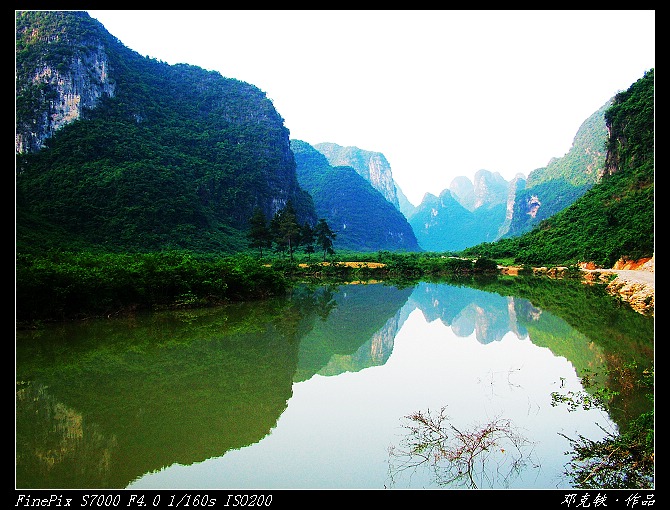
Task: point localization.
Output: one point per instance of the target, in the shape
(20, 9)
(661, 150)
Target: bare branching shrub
(486, 456)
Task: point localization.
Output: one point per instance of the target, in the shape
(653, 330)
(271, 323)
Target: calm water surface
(314, 391)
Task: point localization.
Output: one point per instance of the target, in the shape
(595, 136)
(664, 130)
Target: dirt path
(628, 275)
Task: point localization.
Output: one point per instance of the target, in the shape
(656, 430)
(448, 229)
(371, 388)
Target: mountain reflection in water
(304, 392)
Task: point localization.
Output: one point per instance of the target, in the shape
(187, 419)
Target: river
(317, 390)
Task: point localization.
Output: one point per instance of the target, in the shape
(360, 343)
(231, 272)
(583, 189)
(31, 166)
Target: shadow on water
(102, 402)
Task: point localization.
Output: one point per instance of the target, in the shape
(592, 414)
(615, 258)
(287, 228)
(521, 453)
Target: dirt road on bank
(629, 275)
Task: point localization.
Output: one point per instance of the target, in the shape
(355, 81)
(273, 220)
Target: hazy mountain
(466, 214)
(545, 192)
(406, 207)
(363, 219)
(441, 223)
(372, 166)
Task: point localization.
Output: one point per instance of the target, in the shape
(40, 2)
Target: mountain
(363, 219)
(465, 215)
(551, 189)
(527, 201)
(615, 218)
(372, 166)
(121, 152)
(516, 185)
(489, 188)
(463, 190)
(406, 207)
(439, 224)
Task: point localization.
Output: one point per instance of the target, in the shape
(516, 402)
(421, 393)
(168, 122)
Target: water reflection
(305, 392)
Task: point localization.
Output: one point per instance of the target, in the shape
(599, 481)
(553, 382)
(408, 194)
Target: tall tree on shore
(259, 235)
(307, 238)
(324, 237)
(285, 229)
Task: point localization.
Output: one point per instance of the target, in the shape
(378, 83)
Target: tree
(285, 229)
(624, 460)
(307, 238)
(259, 235)
(324, 237)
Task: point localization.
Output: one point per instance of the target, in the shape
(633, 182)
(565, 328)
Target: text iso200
(248, 500)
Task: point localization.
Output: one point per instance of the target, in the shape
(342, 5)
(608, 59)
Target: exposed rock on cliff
(372, 166)
(56, 91)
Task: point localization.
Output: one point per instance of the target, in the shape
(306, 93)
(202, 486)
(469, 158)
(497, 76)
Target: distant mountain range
(490, 208)
(116, 151)
(363, 218)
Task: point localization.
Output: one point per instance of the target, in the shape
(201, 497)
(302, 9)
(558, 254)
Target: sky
(440, 93)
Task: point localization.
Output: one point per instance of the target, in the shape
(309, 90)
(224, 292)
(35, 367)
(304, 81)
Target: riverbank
(631, 281)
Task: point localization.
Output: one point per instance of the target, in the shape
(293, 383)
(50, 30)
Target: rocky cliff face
(63, 89)
(372, 166)
(80, 86)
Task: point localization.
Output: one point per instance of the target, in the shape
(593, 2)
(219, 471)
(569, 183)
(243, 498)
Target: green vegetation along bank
(69, 286)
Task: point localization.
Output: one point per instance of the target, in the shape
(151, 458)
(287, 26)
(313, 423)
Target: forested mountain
(615, 218)
(372, 166)
(116, 151)
(362, 218)
(507, 209)
(551, 189)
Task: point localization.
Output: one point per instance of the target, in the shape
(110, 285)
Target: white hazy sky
(440, 93)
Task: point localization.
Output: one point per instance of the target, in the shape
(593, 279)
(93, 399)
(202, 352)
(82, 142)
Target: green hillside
(564, 180)
(169, 157)
(615, 218)
(362, 218)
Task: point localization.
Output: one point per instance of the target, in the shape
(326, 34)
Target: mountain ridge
(364, 219)
(157, 157)
(117, 152)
